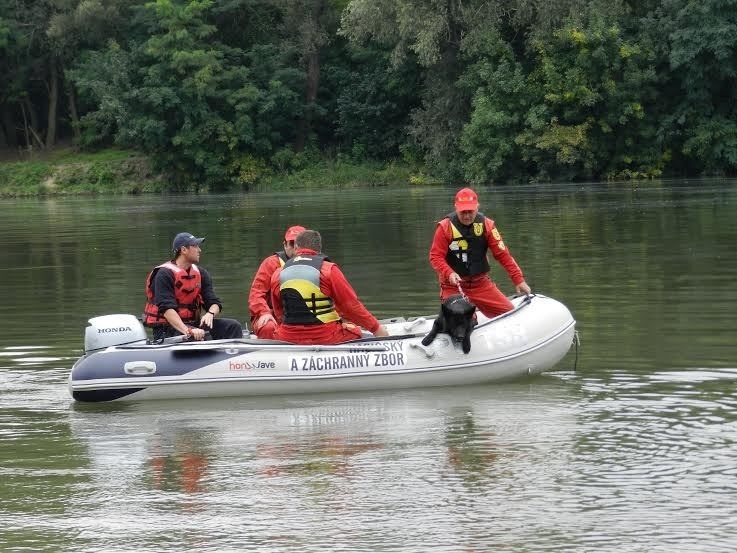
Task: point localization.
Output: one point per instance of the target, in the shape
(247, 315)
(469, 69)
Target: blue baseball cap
(185, 239)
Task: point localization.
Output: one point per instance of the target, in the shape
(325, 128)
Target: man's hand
(206, 320)
(263, 319)
(381, 331)
(196, 334)
(454, 279)
(523, 288)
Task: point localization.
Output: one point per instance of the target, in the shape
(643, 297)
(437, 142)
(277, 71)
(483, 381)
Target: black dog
(456, 319)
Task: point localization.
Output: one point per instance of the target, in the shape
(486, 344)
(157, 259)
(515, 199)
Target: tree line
(224, 92)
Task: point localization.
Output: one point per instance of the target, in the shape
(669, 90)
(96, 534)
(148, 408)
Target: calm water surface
(635, 450)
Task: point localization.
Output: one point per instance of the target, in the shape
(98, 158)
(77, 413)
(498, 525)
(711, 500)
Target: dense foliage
(220, 94)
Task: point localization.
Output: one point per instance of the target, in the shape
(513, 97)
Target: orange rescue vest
(187, 293)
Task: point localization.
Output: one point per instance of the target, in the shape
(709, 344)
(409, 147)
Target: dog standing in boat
(455, 319)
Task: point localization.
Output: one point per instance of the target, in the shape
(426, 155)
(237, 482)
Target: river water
(634, 450)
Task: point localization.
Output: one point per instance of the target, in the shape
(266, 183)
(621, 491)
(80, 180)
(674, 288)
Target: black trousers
(221, 329)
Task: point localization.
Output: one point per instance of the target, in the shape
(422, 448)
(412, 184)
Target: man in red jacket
(310, 294)
(459, 256)
(263, 323)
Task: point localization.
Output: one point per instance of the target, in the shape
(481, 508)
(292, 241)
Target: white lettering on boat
(393, 345)
(346, 361)
(114, 329)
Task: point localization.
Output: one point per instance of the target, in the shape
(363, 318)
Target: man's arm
(438, 252)
(260, 294)
(163, 288)
(167, 303)
(276, 303)
(334, 284)
(501, 253)
(211, 302)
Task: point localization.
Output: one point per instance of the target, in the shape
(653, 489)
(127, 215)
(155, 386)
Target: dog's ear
(469, 308)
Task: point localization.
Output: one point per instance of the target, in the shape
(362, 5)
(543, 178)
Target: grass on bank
(114, 171)
(68, 172)
(330, 174)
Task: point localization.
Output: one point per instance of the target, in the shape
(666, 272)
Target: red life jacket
(187, 292)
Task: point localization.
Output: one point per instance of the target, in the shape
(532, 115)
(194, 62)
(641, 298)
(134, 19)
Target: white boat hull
(527, 341)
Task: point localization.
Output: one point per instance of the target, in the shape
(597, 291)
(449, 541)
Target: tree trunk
(313, 82)
(73, 113)
(53, 102)
(312, 32)
(25, 127)
(30, 113)
(8, 122)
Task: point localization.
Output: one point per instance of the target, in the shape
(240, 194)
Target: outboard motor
(113, 330)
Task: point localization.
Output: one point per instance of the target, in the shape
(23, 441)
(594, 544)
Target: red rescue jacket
(187, 292)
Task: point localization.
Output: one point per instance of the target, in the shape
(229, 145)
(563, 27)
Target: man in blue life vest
(177, 290)
(459, 255)
(310, 295)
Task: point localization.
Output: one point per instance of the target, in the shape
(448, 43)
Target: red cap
(466, 200)
(293, 232)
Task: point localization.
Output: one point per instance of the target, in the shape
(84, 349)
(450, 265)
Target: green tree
(77, 26)
(30, 77)
(700, 39)
(502, 97)
(434, 33)
(372, 101)
(190, 103)
(597, 89)
(581, 111)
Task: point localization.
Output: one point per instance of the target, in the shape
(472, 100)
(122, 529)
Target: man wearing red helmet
(263, 323)
(312, 297)
(459, 256)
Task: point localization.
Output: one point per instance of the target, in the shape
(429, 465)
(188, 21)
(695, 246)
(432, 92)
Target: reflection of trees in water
(326, 455)
(42, 462)
(471, 451)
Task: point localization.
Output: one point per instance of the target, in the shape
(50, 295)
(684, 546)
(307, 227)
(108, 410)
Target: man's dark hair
(309, 239)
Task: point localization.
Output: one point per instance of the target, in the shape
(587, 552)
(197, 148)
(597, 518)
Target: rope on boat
(235, 346)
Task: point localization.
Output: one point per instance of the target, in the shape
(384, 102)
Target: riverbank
(66, 172)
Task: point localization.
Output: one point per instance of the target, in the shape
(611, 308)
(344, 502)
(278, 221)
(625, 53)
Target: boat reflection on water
(191, 455)
(471, 448)
(187, 446)
(178, 461)
(328, 455)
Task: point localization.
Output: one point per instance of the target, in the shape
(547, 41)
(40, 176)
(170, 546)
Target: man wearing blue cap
(178, 289)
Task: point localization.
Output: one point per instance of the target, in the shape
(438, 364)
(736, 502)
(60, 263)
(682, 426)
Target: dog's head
(457, 313)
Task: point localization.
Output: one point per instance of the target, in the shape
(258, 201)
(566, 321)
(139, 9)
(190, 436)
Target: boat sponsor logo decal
(339, 362)
(114, 329)
(250, 365)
